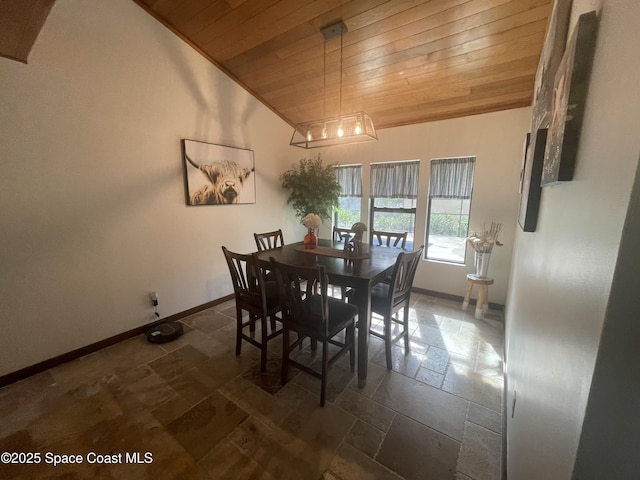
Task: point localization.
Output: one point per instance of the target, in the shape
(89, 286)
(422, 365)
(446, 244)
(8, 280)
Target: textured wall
(562, 274)
(92, 209)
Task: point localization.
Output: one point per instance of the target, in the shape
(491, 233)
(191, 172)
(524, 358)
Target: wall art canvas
(525, 149)
(218, 174)
(532, 173)
(550, 58)
(569, 97)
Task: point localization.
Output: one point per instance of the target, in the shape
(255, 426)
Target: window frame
(472, 160)
(373, 209)
(358, 196)
(404, 186)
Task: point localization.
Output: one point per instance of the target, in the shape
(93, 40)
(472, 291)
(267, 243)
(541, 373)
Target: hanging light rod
(340, 130)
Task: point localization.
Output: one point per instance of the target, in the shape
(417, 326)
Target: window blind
(350, 179)
(395, 179)
(451, 177)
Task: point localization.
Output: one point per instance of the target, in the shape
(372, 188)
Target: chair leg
(263, 345)
(238, 331)
(284, 372)
(325, 367)
(252, 325)
(405, 325)
(351, 334)
(273, 322)
(387, 340)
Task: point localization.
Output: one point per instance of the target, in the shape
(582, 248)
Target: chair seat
(271, 292)
(340, 314)
(379, 297)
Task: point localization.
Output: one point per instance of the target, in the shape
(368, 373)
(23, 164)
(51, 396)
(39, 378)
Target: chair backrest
(342, 234)
(402, 277)
(247, 277)
(299, 299)
(269, 240)
(389, 239)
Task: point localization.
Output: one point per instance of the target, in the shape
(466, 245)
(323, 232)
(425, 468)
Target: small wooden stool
(482, 305)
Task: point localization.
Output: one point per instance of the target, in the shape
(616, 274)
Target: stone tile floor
(202, 413)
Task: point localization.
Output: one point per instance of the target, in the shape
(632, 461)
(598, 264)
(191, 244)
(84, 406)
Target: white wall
(92, 210)
(92, 203)
(496, 139)
(562, 273)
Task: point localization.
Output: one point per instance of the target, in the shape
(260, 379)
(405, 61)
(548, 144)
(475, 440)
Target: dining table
(360, 271)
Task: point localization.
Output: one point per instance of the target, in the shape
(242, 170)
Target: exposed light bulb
(358, 129)
(340, 131)
(309, 136)
(324, 132)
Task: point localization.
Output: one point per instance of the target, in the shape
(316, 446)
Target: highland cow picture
(218, 174)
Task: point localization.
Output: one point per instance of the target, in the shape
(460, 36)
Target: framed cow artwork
(218, 174)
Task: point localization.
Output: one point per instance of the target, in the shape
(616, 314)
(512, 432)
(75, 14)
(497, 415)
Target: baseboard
(107, 342)
(455, 298)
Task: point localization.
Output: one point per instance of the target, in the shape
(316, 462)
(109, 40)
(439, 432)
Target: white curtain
(350, 179)
(395, 179)
(451, 177)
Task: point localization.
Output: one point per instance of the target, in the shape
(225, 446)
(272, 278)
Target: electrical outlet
(154, 299)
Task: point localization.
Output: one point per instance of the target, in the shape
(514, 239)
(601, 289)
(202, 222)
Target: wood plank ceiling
(404, 62)
(20, 24)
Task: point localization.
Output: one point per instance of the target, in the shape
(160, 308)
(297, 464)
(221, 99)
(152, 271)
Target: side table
(482, 304)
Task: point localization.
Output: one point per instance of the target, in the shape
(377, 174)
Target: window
(450, 187)
(348, 211)
(394, 190)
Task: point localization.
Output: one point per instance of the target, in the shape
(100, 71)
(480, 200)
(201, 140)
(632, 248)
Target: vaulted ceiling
(404, 61)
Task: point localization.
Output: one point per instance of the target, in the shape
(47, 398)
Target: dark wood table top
(341, 271)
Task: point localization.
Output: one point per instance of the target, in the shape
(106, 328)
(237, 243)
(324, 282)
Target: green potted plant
(313, 188)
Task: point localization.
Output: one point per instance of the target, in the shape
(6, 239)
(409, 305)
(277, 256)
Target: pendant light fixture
(340, 130)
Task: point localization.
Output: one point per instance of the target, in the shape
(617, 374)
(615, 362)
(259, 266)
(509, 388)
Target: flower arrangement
(482, 241)
(312, 220)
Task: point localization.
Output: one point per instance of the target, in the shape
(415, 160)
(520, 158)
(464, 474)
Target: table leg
(364, 319)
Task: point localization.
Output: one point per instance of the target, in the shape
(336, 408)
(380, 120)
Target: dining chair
(258, 297)
(387, 299)
(341, 234)
(269, 240)
(314, 315)
(389, 239)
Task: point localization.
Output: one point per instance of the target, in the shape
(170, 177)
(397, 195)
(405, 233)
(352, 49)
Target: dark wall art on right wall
(569, 97)
(530, 184)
